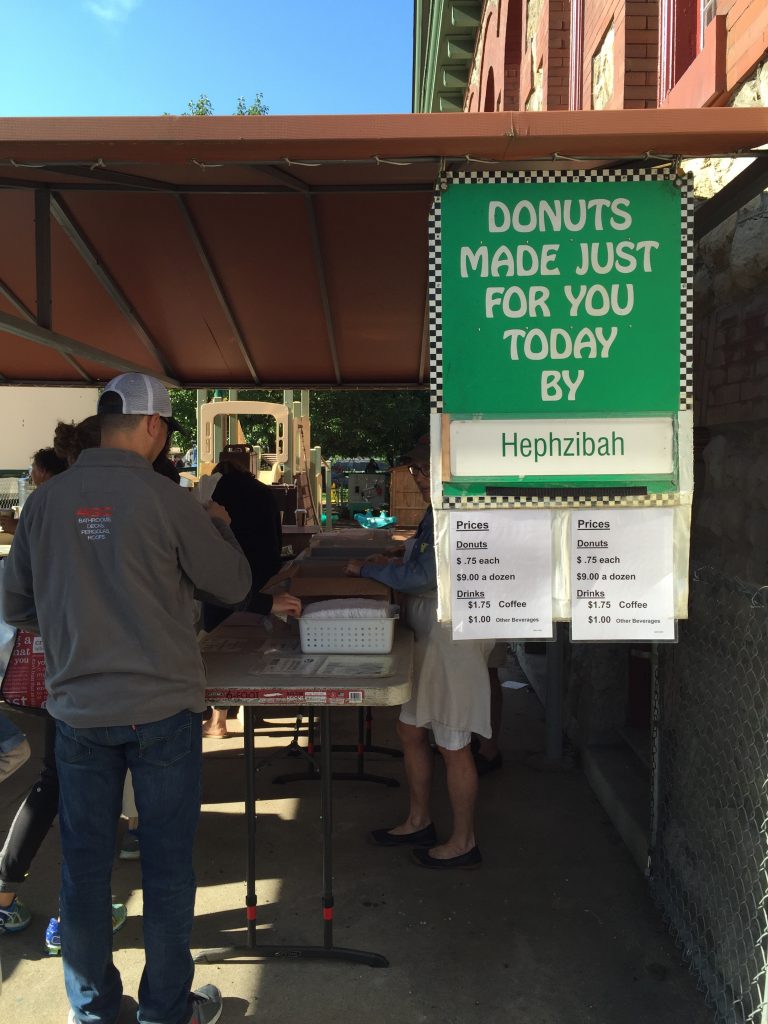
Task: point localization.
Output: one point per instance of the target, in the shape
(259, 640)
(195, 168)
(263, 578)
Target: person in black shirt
(256, 526)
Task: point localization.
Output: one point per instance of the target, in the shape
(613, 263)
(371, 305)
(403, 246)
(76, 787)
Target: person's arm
(260, 603)
(208, 553)
(18, 592)
(275, 604)
(8, 522)
(415, 576)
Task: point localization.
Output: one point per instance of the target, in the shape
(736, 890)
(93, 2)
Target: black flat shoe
(424, 837)
(471, 859)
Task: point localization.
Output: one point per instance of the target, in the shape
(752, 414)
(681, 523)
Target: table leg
(361, 775)
(251, 898)
(326, 812)
(253, 950)
(369, 747)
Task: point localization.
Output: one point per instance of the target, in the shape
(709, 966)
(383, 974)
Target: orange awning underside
(265, 251)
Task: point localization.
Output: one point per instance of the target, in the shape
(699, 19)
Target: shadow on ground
(557, 927)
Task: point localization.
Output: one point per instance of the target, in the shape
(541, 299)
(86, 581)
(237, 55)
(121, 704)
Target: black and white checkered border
(686, 293)
(542, 501)
(512, 177)
(435, 309)
(683, 182)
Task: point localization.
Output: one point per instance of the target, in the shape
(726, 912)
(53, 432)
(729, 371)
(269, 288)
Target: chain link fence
(709, 861)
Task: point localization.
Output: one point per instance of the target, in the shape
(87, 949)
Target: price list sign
(622, 575)
(501, 574)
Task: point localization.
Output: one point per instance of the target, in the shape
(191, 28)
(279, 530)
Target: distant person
(45, 464)
(105, 565)
(15, 751)
(256, 525)
(70, 439)
(372, 466)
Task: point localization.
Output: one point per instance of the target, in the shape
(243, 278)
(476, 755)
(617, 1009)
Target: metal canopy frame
(339, 157)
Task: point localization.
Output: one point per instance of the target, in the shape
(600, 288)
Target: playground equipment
(293, 462)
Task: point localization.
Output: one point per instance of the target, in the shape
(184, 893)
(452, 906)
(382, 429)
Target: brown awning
(269, 251)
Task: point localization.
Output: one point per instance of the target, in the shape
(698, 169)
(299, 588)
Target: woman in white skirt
(450, 696)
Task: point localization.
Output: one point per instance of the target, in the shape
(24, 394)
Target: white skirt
(450, 676)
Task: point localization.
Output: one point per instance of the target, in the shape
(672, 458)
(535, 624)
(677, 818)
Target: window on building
(490, 92)
(708, 12)
(681, 38)
(603, 69)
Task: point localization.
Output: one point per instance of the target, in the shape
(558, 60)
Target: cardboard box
(327, 587)
(324, 579)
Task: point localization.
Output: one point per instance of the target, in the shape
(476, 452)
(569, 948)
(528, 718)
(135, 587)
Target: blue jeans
(10, 736)
(165, 759)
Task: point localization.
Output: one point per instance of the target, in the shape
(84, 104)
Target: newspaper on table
(339, 666)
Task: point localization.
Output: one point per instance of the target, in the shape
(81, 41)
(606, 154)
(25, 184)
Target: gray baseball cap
(137, 394)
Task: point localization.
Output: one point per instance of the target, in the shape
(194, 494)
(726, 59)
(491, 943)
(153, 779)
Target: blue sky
(120, 57)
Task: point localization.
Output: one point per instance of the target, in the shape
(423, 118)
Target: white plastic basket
(346, 636)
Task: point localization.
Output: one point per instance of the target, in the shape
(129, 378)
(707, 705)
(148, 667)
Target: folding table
(238, 657)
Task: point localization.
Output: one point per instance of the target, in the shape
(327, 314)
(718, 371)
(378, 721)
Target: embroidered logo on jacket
(94, 522)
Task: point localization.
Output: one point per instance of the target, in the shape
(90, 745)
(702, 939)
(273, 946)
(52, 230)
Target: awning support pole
(43, 256)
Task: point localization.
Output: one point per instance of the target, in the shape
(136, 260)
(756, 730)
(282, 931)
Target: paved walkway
(556, 928)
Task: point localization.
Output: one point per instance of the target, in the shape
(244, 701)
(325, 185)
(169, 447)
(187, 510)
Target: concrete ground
(556, 927)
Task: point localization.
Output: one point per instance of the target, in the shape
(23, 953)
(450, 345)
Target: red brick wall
(558, 55)
(489, 56)
(747, 28)
(636, 50)
(513, 36)
(640, 71)
(552, 48)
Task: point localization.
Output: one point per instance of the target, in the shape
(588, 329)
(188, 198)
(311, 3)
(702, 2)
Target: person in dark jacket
(255, 522)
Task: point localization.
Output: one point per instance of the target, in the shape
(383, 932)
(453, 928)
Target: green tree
(345, 424)
(202, 106)
(257, 107)
(377, 424)
(184, 406)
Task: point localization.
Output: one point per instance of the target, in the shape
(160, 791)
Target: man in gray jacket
(105, 564)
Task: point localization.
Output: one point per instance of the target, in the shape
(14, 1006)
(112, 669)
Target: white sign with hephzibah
(501, 574)
(638, 446)
(622, 583)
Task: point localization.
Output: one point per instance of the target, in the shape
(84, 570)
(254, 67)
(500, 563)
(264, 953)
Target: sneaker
(129, 848)
(206, 1005)
(14, 918)
(119, 916)
(53, 937)
(53, 933)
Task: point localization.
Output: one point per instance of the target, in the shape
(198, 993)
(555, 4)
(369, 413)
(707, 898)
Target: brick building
(585, 54)
(686, 723)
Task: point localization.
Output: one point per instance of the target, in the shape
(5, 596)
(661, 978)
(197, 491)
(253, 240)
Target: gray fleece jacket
(105, 564)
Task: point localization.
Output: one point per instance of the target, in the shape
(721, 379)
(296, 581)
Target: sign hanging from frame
(560, 330)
